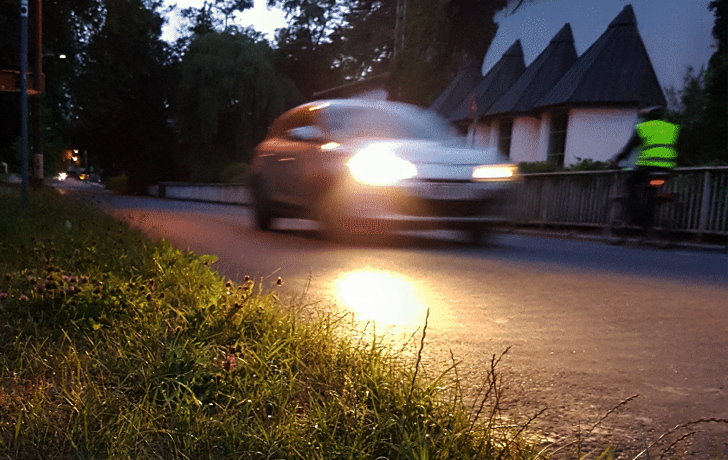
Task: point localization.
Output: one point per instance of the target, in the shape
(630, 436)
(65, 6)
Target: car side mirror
(309, 133)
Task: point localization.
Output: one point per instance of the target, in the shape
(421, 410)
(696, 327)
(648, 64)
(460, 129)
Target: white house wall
(482, 134)
(525, 139)
(597, 134)
(543, 137)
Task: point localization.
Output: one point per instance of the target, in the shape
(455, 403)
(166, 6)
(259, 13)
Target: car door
(303, 166)
(276, 156)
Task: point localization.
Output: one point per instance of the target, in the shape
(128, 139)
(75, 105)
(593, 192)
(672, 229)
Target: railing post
(704, 206)
(611, 211)
(544, 203)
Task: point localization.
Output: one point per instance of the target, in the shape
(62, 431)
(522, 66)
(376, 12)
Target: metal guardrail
(581, 199)
(571, 200)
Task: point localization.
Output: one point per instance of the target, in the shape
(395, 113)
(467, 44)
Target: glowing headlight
(329, 146)
(494, 172)
(377, 166)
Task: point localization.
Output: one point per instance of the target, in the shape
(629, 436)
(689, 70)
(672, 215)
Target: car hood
(426, 152)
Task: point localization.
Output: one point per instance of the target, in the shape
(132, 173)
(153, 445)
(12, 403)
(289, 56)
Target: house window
(557, 137)
(505, 132)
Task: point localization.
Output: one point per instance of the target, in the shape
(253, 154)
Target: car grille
(444, 208)
(418, 206)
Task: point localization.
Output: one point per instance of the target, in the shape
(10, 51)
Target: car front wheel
(261, 206)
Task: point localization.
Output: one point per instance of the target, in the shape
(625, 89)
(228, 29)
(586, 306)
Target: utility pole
(24, 103)
(399, 28)
(38, 85)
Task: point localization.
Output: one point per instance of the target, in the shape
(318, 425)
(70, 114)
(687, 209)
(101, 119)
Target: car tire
(262, 214)
(476, 235)
(333, 223)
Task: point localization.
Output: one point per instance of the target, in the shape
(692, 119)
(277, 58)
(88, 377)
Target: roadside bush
(118, 184)
(236, 173)
(525, 167)
(583, 164)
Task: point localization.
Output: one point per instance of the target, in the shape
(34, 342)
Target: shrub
(236, 173)
(118, 184)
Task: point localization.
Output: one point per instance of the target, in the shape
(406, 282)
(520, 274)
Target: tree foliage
(120, 112)
(331, 42)
(365, 41)
(716, 85)
(65, 26)
(702, 111)
(439, 37)
(229, 94)
(305, 52)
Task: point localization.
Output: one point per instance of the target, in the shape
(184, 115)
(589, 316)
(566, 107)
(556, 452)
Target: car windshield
(397, 123)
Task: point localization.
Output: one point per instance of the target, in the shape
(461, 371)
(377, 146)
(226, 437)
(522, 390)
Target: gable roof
(539, 77)
(615, 69)
(497, 81)
(458, 89)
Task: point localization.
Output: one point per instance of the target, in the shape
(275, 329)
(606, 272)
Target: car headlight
(375, 165)
(495, 172)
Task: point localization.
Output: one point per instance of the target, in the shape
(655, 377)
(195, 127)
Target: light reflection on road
(390, 299)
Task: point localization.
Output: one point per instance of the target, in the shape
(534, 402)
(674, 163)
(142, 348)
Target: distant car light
(83, 176)
(374, 165)
(62, 176)
(494, 172)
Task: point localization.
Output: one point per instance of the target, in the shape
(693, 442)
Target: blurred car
(365, 167)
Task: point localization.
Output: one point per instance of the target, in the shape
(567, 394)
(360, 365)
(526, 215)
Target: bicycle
(652, 218)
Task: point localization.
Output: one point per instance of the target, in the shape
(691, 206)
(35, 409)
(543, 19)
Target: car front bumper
(427, 204)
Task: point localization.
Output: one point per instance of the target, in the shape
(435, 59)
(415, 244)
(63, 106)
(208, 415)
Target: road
(586, 325)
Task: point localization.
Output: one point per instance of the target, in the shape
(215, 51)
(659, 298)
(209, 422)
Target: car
(372, 167)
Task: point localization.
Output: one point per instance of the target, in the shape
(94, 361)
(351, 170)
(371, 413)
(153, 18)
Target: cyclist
(656, 141)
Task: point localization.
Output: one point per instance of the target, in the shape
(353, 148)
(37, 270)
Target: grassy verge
(114, 346)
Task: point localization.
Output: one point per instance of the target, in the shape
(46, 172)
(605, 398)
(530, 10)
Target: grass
(114, 346)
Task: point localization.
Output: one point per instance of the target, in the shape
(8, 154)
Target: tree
(9, 102)
(364, 43)
(690, 115)
(65, 23)
(305, 52)
(716, 86)
(703, 104)
(229, 93)
(119, 107)
(439, 37)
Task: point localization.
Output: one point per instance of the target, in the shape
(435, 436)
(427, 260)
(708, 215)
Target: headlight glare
(377, 166)
(495, 172)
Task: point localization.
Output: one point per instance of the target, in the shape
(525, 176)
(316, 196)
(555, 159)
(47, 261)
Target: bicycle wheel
(617, 216)
(667, 214)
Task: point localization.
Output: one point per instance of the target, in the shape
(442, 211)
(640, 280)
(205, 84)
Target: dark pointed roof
(499, 78)
(540, 76)
(615, 69)
(458, 89)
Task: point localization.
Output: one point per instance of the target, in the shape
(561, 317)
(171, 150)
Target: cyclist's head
(655, 112)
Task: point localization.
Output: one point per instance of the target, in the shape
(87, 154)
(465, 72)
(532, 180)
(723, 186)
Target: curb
(633, 242)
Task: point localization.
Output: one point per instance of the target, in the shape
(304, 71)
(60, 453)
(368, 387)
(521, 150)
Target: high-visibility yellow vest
(658, 147)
